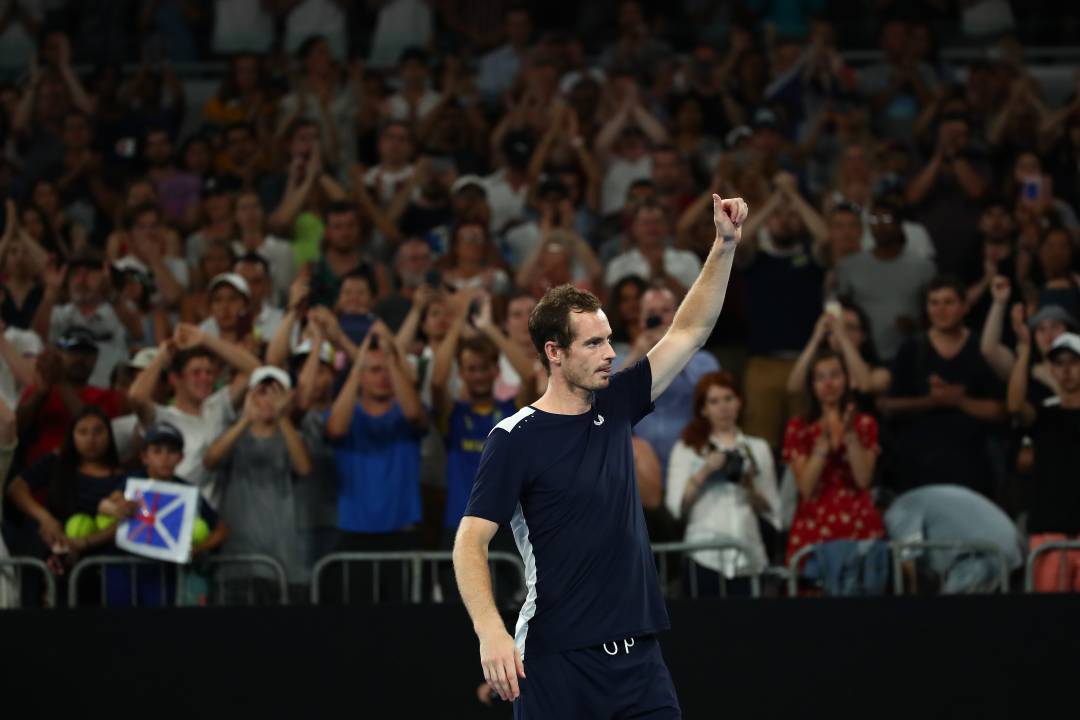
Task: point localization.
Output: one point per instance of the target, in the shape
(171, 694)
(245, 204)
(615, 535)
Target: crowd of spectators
(309, 295)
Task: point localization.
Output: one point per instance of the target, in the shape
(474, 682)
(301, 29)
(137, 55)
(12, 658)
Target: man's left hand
(728, 217)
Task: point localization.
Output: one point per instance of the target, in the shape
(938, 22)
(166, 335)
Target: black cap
(76, 338)
(163, 433)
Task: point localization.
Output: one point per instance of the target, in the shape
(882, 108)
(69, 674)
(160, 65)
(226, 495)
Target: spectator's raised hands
(1019, 324)
(1000, 289)
(188, 336)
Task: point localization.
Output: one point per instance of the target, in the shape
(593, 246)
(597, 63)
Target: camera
(732, 470)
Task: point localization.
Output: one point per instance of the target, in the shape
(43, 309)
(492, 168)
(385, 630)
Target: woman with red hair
(721, 482)
(832, 452)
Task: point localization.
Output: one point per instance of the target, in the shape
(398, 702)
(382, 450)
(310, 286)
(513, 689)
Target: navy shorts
(621, 679)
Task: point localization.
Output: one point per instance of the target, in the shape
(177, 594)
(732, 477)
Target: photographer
(723, 483)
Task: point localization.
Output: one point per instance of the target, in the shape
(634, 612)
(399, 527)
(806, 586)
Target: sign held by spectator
(161, 527)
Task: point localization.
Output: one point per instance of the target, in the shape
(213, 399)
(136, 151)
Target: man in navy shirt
(561, 473)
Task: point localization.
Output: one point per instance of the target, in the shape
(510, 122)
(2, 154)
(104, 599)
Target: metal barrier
(1046, 548)
(961, 550)
(721, 545)
(411, 583)
(796, 560)
(102, 562)
(16, 564)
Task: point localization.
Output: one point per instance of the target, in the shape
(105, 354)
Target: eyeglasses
(880, 219)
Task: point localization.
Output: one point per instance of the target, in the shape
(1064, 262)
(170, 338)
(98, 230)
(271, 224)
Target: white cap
(1065, 341)
(466, 180)
(26, 342)
(269, 372)
(230, 278)
(326, 352)
(142, 359)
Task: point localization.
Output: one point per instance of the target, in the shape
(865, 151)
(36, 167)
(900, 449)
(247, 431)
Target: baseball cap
(233, 279)
(75, 338)
(1052, 312)
(269, 372)
(469, 181)
(1065, 342)
(142, 359)
(326, 352)
(163, 433)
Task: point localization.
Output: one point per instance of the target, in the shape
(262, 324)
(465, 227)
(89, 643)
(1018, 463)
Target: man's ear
(553, 352)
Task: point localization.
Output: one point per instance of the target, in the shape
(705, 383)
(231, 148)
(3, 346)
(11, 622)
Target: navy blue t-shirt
(567, 486)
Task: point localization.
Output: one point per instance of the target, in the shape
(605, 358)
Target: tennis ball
(104, 521)
(199, 531)
(79, 525)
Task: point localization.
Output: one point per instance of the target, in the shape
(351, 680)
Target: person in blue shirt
(375, 426)
(561, 473)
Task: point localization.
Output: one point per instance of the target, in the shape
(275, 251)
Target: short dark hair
(365, 273)
(481, 345)
(946, 281)
(132, 216)
(253, 258)
(550, 319)
(341, 207)
(182, 358)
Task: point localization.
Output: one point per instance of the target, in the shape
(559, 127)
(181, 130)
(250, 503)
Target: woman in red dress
(832, 452)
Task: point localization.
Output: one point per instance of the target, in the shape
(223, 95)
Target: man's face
(196, 380)
(227, 307)
(1046, 332)
(375, 377)
(394, 145)
(650, 228)
(517, 319)
(355, 296)
(885, 225)
(159, 149)
(845, 233)
(78, 364)
(666, 170)
(785, 225)
(945, 308)
(342, 231)
(587, 362)
(657, 304)
(1065, 368)
(85, 284)
(257, 279)
(240, 144)
(413, 262)
(995, 222)
(478, 373)
(161, 460)
(249, 212)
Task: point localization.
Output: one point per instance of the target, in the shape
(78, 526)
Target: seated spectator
(516, 327)
(148, 253)
(22, 266)
(254, 238)
(230, 310)
(415, 99)
(178, 190)
(67, 235)
(954, 514)
(473, 261)
(845, 227)
(343, 252)
(375, 424)
(413, 265)
(259, 459)
(651, 256)
(1000, 258)
(943, 401)
(1029, 186)
(72, 481)
(1050, 322)
(215, 221)
(722, 483)
(88, 287)
(832, 451)
(1058, 283)
(672, 410)
(244, 94)
(562, 257)
(47, 407)
(1052, 426)
(354, 303)
(217, 259)
(844, 327)
(886, 282)
(191, 360)
(163, 449)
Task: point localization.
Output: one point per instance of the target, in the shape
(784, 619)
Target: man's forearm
(474, 584)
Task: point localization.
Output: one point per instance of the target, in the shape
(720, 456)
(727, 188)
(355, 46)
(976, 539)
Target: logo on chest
(599, 420)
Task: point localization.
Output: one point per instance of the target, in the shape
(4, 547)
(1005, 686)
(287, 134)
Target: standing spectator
(901, 85)
(622, 144)
(652, 257)
(265, 314)
(673, 409)
(473, 261)
(623, 310)
(415, 100)
(375, 424)
(63, 390)
(832, 451)
(230, 307)
(886, 282)
(723, 483)
(1060, 283)
(509, 382)
(148, 252)
(191, 359)
(259, 459)
(88, 286)
(178, 190)
(413, 264)
(1053, 427)
(943, 400)
(343, 252)
(22, 265)
(784, 288)
(244, 96)
(254, 238)
(500, 67)
(955, 514)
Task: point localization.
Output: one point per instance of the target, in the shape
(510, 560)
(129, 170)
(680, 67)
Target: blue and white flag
(161, 527)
